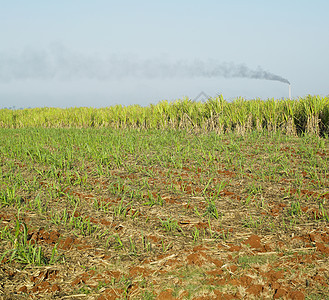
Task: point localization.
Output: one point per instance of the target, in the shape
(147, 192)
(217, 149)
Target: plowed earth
(163, 215)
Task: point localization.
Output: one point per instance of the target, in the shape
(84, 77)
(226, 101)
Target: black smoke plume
(60, 63)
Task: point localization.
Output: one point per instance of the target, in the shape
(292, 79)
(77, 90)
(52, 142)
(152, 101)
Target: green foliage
(309, 114)
(22, 250)
(211, 210)
(170, 224)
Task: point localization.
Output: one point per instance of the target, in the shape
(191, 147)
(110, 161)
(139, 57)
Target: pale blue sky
(100, 53)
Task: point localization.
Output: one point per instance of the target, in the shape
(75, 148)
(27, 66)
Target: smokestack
(289, 91)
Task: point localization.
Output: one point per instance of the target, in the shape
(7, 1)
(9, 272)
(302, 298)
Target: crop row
(293, 117)
(79, 205)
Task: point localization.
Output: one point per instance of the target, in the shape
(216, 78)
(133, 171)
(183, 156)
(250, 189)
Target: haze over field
(102, 53)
